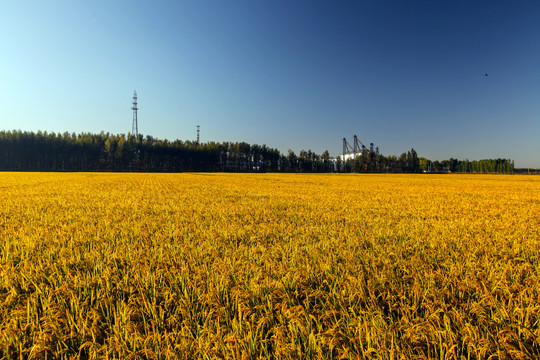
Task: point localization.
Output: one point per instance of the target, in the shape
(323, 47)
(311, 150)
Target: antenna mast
(198, 133)
(134, 127)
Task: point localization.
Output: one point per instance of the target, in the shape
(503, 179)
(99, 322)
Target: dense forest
(42, 151)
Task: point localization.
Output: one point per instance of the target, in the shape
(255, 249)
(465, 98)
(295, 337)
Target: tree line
(485, 166)
(409, 162)
(374, 162)
(42, 151)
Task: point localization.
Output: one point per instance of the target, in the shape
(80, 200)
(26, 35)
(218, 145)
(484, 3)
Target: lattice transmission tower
(134, 126)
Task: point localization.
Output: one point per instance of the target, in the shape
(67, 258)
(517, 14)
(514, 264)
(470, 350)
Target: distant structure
(134, 126)
(351, 152)
(198, 134)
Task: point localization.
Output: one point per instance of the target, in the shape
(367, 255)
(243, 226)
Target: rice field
(269, 266)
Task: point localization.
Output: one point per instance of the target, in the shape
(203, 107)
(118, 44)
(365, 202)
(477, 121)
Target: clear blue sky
(289, 74)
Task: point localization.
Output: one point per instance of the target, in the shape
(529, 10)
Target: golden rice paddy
(280, 266)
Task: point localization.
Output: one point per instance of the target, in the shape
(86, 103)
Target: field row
(269, 266)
